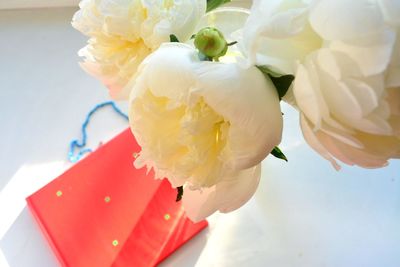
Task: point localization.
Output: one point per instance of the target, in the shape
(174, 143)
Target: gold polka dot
(107, 199)
(167, 217)
(59, 193)
(135, 155)
(115, 243)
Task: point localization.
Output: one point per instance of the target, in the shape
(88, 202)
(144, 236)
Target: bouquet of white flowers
(204, 83)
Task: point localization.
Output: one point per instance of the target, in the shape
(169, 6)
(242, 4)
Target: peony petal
(180, 18)
(343, 19)
(249, 102)
(307, 93)
(342, 103)
(376, 153)
(351, 100)
(226, 196)
(348, 155)
(393, 72)
(284, 24)
(365, 95)
(375, 125)
(277, 34)
(199, 204)
(342, 136)
(234, 192)
(113, 64)
(170, 59)
(393, 77)
(391, 11)
(280, 18)
(372, 53)
(313, 141)
(394, 100)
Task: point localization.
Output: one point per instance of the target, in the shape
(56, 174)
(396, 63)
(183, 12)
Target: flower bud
(210, 42)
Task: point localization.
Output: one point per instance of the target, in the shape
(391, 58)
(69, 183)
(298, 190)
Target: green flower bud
(211, 42)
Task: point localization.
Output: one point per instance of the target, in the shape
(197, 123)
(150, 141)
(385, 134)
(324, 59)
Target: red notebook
(103, 212)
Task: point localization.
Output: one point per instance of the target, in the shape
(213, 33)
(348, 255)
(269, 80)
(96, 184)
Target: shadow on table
(189, 253)
(24, 245)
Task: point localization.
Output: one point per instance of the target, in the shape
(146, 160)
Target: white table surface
(303, 214)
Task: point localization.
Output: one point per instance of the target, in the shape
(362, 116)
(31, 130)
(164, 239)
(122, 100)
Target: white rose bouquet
(204, 89)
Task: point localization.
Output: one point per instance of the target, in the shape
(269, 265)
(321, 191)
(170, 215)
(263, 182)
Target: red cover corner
(103, 212)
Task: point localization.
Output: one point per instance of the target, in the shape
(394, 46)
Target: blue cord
(81, 144)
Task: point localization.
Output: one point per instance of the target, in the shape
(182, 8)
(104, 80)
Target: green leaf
(173, 38)
(276, 152)
(213, 4)
(281, 82)
(179, 194)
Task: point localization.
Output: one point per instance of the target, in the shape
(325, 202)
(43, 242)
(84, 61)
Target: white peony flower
(345, 57)
(203, 124)
(346, 115)
(277, 34)
(123, 32)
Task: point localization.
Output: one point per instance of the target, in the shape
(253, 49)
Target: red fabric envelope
(103, 212)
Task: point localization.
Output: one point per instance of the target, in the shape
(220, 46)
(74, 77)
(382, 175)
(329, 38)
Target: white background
(303, 214)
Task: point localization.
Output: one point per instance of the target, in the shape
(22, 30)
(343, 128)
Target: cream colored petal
(353, 100)
(269, 21)
(313, 141)
(226, 196)
(343, 19)
(284, 24)
(342, 136)
(170, 17)
(122, 18)
(391, 11)
(278, 18)
(87, 19)
(168, 72)
(393, 71)
(342, 103)
(114, 65)
(306, 89)
(376, 153)
(199, 204)
(251, 105)
(372, 53)
(393, 77)
(393, 99)
(277, 34)
(365, 94)
(394, 102)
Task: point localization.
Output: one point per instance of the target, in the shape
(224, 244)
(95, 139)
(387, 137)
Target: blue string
(81, 144)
